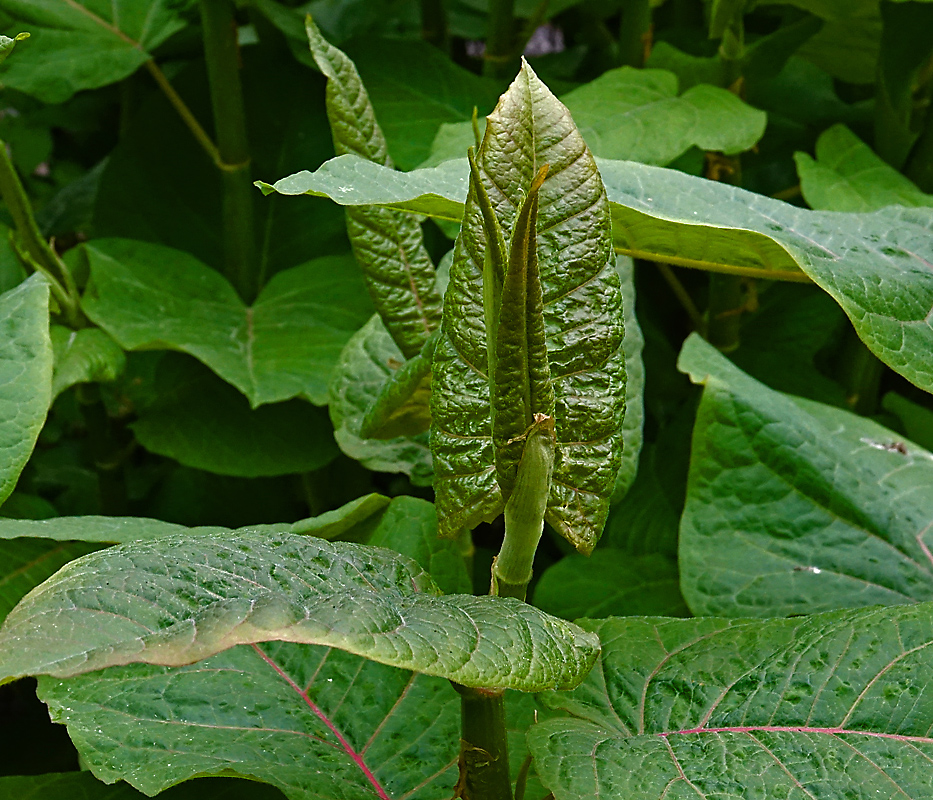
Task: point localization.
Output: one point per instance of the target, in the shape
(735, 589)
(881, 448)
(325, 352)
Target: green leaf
(582, 321)
(8, 43)
(25, 375)
(387, 244)
(79, 45)
(85, 356)
(83, 786)
(203, 422)
(664, 215)
(831, 706)
(634, 418)
(285, 345)
(848, 176)
(610, 583)
(916, 420)
(794, 506)
(179, 599)
(366, 366)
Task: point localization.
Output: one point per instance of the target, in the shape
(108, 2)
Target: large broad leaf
(85, 356)
(202, 422)
(84, 786)
(582, 322)
(848, 176)
(794, 506)
(830, 706)
(179, 599)
(874, 265)
(285, 345)
(367, 362)
(25, 375)
(83, 44)
(388, 244)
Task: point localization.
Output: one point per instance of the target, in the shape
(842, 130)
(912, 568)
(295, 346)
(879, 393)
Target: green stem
(680, 291)
(484, 750)
(861, 375)
(32, 247)
(920, 165)
(500, 39)
(635, 33)
(106, 450)
(434, 24)
(223, 71)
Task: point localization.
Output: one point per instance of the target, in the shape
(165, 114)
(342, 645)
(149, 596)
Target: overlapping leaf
(876, 266)
(831, 705)
(794, 506)
(388, 245)
(85, 356)
(582, 320)
(284, 345)
(25, 375)
(77, 45)
(179, 599)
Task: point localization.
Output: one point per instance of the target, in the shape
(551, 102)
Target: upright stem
(635, 33)
(33, 249)
(500, 39)
(434, 23)
(861, 372)
(223, 71)
(484, 747)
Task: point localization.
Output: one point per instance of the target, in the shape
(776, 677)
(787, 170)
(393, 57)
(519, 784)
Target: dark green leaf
(387, 244)
(831, 706)
(25, 375)
(82, 44)
(916, 420)
(367, 363)
(205, 423)
(582, 316)
(794, 506)
(85, 356)
(611, 583)
(285, 345)
(178, 599)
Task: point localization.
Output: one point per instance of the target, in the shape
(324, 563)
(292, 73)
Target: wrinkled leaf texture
(582, 317)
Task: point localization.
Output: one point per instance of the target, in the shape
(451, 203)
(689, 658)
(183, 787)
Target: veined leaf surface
(831, 706)
(85, 356)
(875, 265)
(794, 506)
(582, 321)
(387, 244)
(179, 599)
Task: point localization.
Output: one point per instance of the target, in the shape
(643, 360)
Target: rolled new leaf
(387, 244)
(582, 322)
(181, 598)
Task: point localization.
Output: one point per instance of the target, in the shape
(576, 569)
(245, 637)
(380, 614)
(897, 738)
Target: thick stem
(500, 39)
(223, 70)
(484, 749)
(861, 372)
(635, 33)
(434, 24)
(33, 249)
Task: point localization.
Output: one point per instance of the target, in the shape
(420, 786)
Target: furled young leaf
(794, 506)
(179, 599)
(84, 786)
(848, 176)
(873, 265)
(85, 356)
(388, 245)
(366, 365)
(202, 422)
(830, 706)
(582, 322)
(7, 43)
(25, 375)
(611, 583)
(81, 44)
(285, 345)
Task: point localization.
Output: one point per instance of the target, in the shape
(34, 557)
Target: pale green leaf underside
(78, 45)
(847, 176)
(285, 345)
(387, 244)
(582, 323)
(367, 362)
(876, 265)
(179, 599)
(794, 506)
(633, 421)
(831, 706)
(25, 375)
(85, 356)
